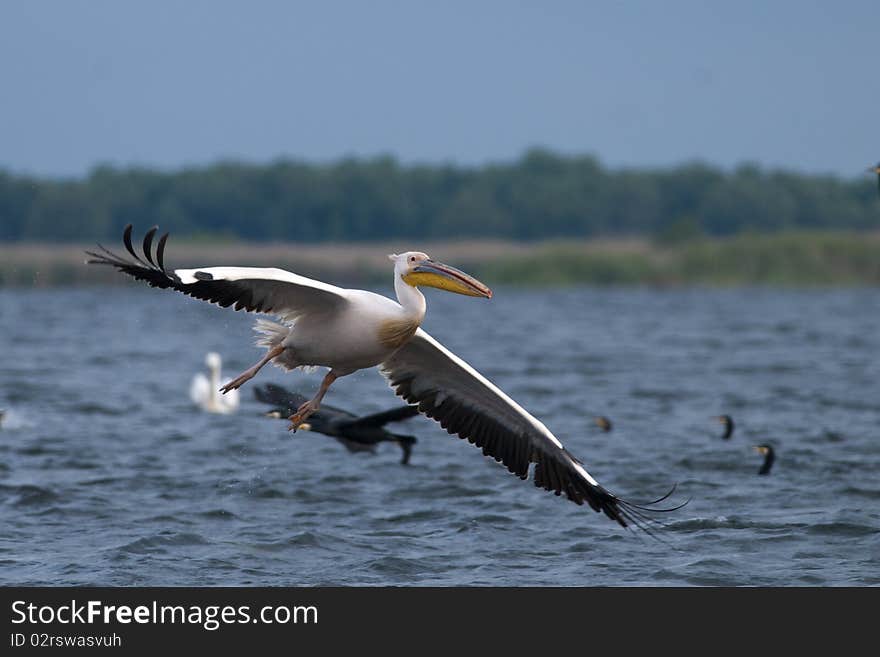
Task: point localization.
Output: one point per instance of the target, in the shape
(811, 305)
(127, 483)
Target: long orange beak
(444, 277)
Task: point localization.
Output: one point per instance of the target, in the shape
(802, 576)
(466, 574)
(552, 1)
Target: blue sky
(639, 83)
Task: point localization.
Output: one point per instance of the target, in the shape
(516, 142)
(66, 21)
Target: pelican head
(212, 360)
(874, 169)
(417, 269)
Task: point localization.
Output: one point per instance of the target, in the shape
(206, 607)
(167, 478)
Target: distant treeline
(541, 196)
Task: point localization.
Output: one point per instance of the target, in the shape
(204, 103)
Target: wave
(27, 495)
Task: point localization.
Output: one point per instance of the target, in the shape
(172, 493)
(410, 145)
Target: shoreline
(797, 259)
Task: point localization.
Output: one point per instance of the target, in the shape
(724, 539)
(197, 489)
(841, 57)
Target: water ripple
(108, 475)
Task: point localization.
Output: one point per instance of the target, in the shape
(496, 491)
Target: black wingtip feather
(253, 295)
(148, 244)
(126, 239)
(650, 506)
(160, 251)
(137, 268)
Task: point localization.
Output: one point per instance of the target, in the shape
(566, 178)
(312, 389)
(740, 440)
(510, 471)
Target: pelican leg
(313, 404)
(251, 372)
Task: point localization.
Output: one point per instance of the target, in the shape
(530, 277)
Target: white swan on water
(205, 390)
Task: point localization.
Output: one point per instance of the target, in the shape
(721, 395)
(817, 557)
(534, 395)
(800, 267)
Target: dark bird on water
(832, 436)
(729, 426)
(876, 169)
(603, 423)
(769, 458)
(357, 434)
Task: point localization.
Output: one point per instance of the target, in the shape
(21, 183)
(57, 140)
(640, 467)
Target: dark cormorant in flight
(729, 426)
(769, 458)
(357, 434)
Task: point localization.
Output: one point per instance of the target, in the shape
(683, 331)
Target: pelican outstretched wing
(464, 402)
(254, 289)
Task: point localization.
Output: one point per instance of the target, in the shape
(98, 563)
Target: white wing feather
(261, 289)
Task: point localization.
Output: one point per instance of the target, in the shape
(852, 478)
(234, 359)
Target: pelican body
(347, 330)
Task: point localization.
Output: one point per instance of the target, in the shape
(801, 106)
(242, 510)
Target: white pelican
(347, 330)
(205, 393)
